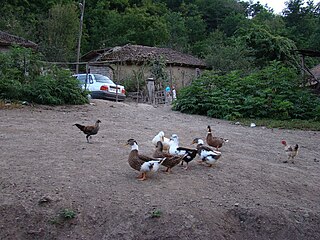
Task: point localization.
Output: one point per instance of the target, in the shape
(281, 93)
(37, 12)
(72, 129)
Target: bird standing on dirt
(206, 154)
(212, 141)
(141, 162)
(160, 137)
(89, 130)
(291, 151)
(170, 161)
(188, 153)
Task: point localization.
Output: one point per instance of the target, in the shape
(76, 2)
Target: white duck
(165, 141)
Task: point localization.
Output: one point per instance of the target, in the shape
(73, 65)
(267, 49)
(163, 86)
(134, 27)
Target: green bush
(273, 92)
(22, 79)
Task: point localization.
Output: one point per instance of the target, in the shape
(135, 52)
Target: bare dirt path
(46, 166)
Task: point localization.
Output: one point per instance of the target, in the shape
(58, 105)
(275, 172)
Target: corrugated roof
(139, 54)
(7, 39)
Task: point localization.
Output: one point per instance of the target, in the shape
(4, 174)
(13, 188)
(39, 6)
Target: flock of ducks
(169, 153)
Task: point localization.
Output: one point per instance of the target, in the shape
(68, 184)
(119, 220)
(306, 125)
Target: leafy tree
(215, 11)
(143, 28)
(268, 47)
(228, 54)
(178, 33)
(301, 21)
(60, 33)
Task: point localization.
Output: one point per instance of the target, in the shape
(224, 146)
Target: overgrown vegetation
(274, 92)
(24, 77)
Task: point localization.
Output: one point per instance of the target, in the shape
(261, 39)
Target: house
(314, 73)
(7, 40)
(132, 61)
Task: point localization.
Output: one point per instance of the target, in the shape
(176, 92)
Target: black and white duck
(206, 154)
(188, 153)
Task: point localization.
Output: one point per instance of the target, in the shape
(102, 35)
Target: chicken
(291, 151)
(170, 161)
(212, 141)
(141, 162)
(206, 154)
(160, 137)
(89, 130)
(188, 153)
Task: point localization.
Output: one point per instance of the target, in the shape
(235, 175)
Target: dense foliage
(249, 29)
(274, 92)
(22, 77)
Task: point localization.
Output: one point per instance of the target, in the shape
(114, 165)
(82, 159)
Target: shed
(129, 60)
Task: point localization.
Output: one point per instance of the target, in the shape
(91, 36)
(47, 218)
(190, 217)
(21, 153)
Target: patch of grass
(67, 214)
(284, 124)
(156, 214)
(64, 215)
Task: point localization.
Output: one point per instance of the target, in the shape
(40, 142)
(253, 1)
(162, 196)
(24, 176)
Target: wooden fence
(160, 97)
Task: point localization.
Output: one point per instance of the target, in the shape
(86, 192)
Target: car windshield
(103, 79)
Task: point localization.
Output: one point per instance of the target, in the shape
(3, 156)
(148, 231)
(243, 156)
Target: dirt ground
(54, 185)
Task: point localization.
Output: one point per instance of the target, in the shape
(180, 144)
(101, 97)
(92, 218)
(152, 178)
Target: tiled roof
(139, 54)
(7, 39)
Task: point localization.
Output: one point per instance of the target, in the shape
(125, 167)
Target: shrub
(273, 92)
(21, 78)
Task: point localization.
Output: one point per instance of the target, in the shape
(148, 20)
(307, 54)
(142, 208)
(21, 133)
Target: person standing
(174, 94)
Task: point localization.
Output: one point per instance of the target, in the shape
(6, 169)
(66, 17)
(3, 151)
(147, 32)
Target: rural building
(134, 61)
(7, 40)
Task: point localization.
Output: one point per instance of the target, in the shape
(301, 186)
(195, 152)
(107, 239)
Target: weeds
(64, 215)
(156, 214)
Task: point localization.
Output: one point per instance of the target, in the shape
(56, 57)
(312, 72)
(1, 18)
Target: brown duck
(170, 161)
(89, 130)
(212, 141)
(140, 162)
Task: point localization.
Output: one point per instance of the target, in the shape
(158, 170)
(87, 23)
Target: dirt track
(46, 166)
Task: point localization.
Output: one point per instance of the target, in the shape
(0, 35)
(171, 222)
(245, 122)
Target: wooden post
(150, 87)
(303, 66)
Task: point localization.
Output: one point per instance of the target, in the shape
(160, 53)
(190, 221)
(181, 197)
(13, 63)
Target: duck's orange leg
(144, 177)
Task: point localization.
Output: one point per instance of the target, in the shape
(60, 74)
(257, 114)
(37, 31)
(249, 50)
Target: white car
(101, 87)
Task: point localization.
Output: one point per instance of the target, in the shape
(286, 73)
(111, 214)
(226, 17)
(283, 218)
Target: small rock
(45, 199)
